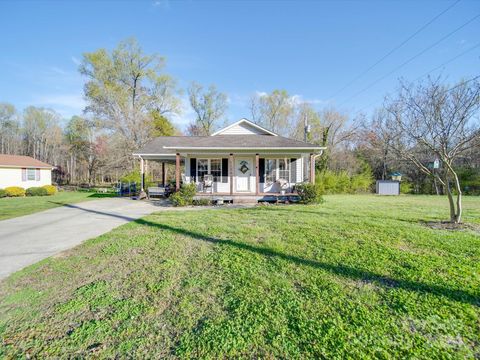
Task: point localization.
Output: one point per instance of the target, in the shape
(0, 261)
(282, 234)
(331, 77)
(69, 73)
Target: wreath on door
(243, 166)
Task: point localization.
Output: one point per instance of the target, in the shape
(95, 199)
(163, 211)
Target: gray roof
(169, 144)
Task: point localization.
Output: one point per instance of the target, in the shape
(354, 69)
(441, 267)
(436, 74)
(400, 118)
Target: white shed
(388, 187)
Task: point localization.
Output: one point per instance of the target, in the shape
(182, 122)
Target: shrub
(309, 193)
(36, 191)
(3, 193)
(202, 202)
(406, 187)
(136, 177)
(51, 190)
(15, 191)
(184, 196)
(361, 183)
(342, 183)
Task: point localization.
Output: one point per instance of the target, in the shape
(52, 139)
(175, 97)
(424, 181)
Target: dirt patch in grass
(446, 225)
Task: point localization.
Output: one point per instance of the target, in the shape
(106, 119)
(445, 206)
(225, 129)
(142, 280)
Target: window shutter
(193, 169)
(24, 174)
(293, 170)
(37, 174)
(261, 169)
(225, 170)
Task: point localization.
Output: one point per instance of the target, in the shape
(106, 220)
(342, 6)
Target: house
(243, 159)
(23, 171)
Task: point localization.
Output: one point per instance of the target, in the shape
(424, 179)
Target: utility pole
(306, 128)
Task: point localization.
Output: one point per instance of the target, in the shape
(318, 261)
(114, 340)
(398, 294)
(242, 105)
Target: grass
(356, 277)
(13, 207)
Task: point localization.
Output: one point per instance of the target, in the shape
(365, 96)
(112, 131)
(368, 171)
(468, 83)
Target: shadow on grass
(128, 218)
(102, 195)
(341, 270)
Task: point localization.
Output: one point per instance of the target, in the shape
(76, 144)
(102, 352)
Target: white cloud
(297, 99)
(163, 4)
(75, 60)
(58, 71)
(261, 93)
(66, 105)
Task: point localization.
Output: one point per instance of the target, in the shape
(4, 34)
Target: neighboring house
(241, 159)
(23, 171)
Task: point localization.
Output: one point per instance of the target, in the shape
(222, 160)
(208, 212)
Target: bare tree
(335, 132)
(430, 116)
(209, 106)
(275, 111)
(375, 137)
(10, 131)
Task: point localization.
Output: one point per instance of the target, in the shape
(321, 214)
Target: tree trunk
(437, 191)
(458, 215)
(450, 201)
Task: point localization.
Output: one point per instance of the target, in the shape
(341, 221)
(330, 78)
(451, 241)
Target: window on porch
(276, 169)
(209, 166)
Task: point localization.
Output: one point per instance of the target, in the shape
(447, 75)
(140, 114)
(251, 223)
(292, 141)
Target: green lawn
(13, 207)
(356, 277)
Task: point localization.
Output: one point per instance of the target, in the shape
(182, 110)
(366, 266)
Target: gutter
(242, 148)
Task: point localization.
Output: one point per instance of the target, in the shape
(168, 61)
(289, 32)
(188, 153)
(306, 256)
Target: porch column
(312, 168)
(164, 177)
(257, 174)
(231, 173)
(142, 174)
(177, 172)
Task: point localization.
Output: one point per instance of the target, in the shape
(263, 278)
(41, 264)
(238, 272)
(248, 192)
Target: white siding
(13, 177)
(242, 129)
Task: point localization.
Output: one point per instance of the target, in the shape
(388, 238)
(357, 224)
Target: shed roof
(21, 161)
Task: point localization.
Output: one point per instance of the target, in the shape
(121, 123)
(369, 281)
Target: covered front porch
(239, 175)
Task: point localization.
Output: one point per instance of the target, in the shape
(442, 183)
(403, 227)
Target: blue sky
(312, 49)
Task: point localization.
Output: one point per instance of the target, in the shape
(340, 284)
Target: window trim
(209, 168)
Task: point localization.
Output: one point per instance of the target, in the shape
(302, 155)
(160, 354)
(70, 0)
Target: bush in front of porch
(184, 196)
(309, 193)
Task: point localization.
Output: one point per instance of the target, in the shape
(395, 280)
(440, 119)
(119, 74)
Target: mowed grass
(13, 207)
(356, 277)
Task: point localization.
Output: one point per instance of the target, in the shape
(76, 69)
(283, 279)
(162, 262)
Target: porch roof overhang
(167, 147)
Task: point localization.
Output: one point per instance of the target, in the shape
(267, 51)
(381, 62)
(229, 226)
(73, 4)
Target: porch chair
(208, 183)
(282, 184)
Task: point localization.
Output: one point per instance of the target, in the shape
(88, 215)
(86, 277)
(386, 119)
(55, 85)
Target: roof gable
(244, 127)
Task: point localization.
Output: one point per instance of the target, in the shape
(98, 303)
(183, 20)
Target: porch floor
(249, 198)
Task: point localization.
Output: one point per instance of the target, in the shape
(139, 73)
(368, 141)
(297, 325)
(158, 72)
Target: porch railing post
(163, 175)
(231, 173)
(142, 175)
(257, 174)
(312, 168)
(177, 172)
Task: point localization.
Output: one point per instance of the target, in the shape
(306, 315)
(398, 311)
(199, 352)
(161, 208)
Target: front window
(270, 171)
(202, 168)
(31, 174)
(276, 169)
(209, 166)
(284, 169)
(216, 169)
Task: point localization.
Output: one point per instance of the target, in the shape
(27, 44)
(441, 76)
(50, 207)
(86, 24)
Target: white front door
(243, 171)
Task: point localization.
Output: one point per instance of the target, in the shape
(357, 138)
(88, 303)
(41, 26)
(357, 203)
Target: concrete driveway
(27, 239)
